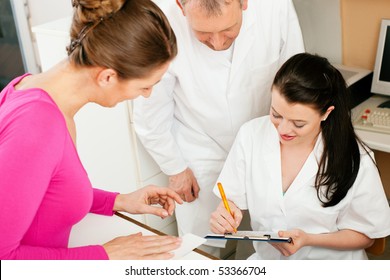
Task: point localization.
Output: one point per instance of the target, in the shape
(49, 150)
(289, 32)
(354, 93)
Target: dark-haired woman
(302, 172)
(118, 51)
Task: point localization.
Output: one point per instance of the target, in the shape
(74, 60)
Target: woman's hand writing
(222, 221)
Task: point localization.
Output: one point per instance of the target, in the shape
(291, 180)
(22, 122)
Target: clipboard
(250, 236)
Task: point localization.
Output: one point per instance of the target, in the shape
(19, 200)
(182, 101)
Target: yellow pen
(225, 202)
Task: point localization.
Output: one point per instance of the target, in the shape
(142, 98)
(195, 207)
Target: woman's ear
(328, 111)
(107, 78)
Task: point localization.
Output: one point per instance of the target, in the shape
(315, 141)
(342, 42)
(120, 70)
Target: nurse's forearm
(341, 240)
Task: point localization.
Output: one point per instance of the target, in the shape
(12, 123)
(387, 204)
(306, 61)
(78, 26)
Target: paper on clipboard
(250, 235)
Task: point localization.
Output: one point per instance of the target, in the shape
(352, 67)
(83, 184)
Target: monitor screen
(381, 77)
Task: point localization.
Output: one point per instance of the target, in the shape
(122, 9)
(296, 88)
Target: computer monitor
(381, 77)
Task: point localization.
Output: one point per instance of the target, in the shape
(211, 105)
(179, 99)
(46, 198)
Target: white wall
(321, 27)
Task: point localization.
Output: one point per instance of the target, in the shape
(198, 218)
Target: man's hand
(185, 184)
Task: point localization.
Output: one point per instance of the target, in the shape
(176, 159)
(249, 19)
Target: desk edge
(160, 233)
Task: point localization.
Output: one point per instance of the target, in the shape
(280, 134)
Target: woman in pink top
(119, 49)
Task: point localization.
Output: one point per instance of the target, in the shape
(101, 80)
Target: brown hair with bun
(132, 37)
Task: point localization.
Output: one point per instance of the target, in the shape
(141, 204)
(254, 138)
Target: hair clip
(77, 42)
(73, 45)
(75, 3)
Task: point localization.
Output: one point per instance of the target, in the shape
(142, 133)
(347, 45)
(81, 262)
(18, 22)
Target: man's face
(218, 32)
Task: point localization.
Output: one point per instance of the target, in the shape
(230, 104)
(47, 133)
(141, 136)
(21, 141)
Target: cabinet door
(52, 39)
(148, 168)
(150, 174)
(105, 147)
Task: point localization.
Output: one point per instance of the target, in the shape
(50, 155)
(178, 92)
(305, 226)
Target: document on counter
(250, 235)
(189, 242)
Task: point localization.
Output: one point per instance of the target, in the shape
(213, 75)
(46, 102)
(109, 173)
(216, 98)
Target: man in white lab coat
(229, 52)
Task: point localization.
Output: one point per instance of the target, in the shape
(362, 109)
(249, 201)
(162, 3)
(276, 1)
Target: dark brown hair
(132, 37)
(311, 80)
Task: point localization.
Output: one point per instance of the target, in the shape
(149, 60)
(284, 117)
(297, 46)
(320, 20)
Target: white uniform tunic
(252, 179)
(194, 113)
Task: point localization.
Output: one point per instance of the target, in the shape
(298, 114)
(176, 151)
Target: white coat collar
(310, 168)
(271, 152)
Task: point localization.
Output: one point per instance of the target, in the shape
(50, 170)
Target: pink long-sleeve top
(44, 189)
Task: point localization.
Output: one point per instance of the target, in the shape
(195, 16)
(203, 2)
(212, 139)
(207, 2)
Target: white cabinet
(52, 39)
(106, 141)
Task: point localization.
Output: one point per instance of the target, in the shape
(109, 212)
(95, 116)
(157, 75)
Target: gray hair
(211, 7)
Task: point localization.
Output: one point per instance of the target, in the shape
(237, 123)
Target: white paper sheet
(189, 242)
